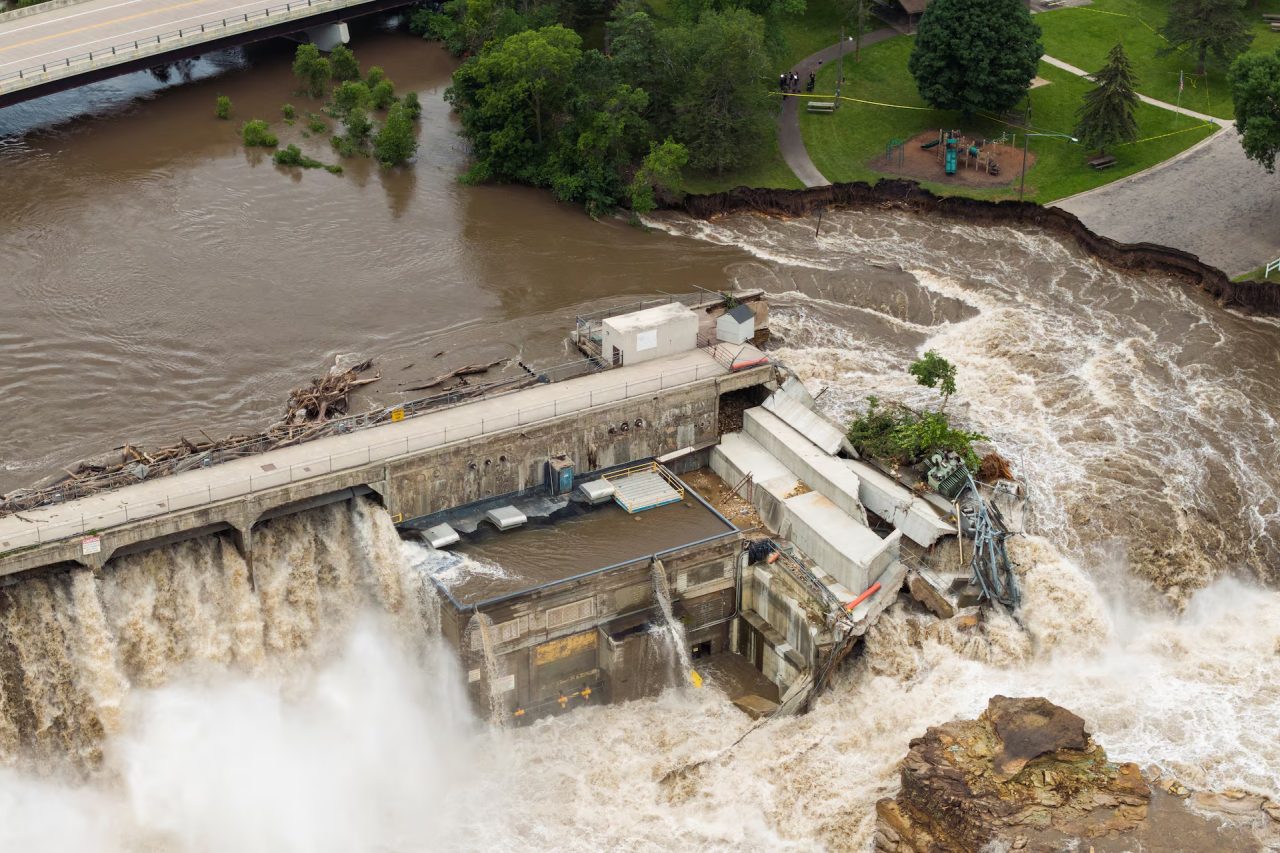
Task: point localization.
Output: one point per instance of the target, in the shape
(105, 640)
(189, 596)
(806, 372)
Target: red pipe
(871, 590)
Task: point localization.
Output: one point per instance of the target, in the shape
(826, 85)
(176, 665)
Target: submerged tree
(395, 143)
(933, 371)
(344, 64)
(658, 173)
(312, 70)
(1255, 89)
(973, 55)
(1207, 26)
(1106, 116)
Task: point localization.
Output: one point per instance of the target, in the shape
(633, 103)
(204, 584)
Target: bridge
(61, 44)
(435, 460)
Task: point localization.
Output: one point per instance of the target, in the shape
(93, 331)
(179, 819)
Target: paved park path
(790, 142)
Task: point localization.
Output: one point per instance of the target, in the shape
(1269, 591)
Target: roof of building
(649, 318)
(913, 7)
(741, 313)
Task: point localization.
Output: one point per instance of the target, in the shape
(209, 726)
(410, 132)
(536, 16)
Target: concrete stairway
(643, 490)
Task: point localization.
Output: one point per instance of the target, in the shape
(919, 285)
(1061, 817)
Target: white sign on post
(91, 545)
(647, 339)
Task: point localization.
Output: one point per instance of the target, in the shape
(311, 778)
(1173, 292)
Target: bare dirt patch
(927, 164)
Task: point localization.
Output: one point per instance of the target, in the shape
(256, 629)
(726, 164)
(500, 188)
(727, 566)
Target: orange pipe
(871, 590)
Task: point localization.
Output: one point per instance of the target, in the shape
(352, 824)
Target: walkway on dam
(87, 37)
(335, 453)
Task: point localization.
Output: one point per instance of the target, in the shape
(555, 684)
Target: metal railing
(651, 467)
(37, 533)
(209, 30)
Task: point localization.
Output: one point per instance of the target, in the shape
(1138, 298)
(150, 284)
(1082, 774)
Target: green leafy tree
(1106, 116)
(511, 97)
(291, 155)
(358, 126)
(659, 173)
(973, 55)
(933, 371)
(376, 76)
(723, 113)
(222, 109)
(1255, 89)
(641, 57)
(1206, 27)
(383, 94)
(395, 142)
(312, 70)
(344, 64)
(351, 95)
(412, 106)
(289, 112)
(256, 133)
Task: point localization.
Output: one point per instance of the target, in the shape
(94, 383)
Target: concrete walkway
(790, 141)
(1065, 66)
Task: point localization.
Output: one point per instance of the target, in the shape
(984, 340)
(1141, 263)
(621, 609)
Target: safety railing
(651, 467)
(19, 533)
(214, 28)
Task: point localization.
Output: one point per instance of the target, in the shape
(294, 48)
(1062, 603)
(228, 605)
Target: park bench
(1271, 18)
(1275, 26)
(1103, 162)
(822, 106)
(1049, 4)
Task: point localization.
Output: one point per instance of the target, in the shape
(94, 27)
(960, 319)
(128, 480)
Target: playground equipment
(950, 165)
(950, 144)
(896, 145)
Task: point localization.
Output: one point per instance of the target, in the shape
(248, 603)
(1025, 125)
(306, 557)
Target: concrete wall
(653, 333)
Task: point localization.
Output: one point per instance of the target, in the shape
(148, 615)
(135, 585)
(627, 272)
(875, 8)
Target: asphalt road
(1211, 201)
(54, 35)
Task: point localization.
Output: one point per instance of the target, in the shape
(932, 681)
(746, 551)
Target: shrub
(292, 155)
(343, 61)
(933, 371)
(312, 70)
(288, 112)
(351, 95)
(412, 107)
(333, 169)
(358, 127)
(315, 124)
(395, 143)
(255, 132)
(376, 76)
(383, 95)
(342, 145)
(222, 109)
(897, 434)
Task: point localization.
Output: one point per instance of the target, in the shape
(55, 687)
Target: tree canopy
(1106, 116)
(973, 55)
(1205, 27)
(1255, 89)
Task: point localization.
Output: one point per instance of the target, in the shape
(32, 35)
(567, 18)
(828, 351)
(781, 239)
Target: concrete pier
(421, 465)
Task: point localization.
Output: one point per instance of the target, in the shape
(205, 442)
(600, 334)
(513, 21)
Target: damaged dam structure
(552, 532)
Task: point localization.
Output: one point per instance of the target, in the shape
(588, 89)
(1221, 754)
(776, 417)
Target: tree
(312, 70)
(1255, 89)
(723, 113)
(256, 133)
(395, 143)
(511, 97)
(222, 108)
(351, 95)
(1207, 26)
(973, 55)
(358, 127)
(1106, 116)
(933, 371)
(344, 64)
(658, 173)
(383, 94)
(412, 106)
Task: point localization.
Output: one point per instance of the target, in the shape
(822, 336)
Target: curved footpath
(1209, 200)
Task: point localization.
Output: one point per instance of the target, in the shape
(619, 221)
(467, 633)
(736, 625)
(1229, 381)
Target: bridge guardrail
(214, 28)
(42, 532)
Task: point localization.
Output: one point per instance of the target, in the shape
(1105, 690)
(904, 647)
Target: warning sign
(397, 414)
(91, 545)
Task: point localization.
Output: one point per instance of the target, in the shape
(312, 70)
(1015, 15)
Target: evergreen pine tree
(1106, 116)
(1207, 26)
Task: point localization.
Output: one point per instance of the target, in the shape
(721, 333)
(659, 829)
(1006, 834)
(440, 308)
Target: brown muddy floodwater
(159, 279)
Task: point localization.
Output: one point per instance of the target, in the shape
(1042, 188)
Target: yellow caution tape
(1170, 133)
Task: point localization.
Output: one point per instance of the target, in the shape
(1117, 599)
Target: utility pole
(1022, 184)
(840, 67)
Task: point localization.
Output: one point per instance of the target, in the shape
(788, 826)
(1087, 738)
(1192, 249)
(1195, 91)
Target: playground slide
(932, 143)
(951, 158)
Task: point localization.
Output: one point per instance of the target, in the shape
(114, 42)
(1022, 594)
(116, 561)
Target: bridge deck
(335, 453)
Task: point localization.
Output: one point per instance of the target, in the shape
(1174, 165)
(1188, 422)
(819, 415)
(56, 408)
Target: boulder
(1026, 775)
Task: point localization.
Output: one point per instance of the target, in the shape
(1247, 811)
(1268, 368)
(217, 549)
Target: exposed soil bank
(1259, 296)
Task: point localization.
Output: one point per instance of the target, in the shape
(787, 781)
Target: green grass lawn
(842, 144)
(769, 171)
(1084, 35)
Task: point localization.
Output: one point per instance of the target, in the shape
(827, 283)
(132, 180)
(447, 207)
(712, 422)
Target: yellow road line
(100, 24)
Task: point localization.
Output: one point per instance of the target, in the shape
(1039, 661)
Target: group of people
(789, 83)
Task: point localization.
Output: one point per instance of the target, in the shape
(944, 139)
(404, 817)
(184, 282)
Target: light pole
(1022, 184)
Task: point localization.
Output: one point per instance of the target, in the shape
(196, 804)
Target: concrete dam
(553, 593)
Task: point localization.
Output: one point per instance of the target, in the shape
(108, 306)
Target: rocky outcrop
(1259, 296)
(1026, 775)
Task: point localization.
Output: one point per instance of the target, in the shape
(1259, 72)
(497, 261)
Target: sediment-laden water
(159, 279)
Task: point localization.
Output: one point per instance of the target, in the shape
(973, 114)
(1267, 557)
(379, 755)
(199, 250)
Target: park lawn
(770, 170)
(842, 144)
(1083, 35)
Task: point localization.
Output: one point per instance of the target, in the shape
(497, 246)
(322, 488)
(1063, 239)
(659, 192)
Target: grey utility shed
(651, 333)
(737, 325)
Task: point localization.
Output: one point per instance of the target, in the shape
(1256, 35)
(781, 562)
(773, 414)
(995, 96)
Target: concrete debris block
(808, 423)
(505, 517)
(934, 600)
(918, 519)
(755, 706)
(440, 536)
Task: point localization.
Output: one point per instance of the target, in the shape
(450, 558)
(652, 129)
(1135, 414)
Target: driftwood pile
(313, 410)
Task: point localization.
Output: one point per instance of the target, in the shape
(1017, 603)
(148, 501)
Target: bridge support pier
(242, 538)
(328, 36)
